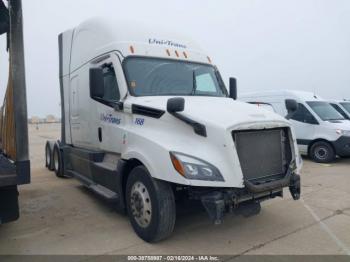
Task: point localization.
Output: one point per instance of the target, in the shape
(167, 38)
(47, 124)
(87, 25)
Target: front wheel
(151, 205)
(322, 152)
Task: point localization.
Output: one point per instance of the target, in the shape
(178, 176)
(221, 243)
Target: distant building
(34, 120)
(51, 119)
(48, 119)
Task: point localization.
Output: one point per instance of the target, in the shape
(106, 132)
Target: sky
(265, 44)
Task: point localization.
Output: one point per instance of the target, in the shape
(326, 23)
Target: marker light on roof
(168, 52)
(132, 49)
(185, 55)
(176, 53)
(209, 59)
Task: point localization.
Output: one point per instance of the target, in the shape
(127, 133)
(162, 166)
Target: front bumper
(219, 201)
(342, 146)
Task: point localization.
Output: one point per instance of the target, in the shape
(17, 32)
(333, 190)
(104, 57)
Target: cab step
(104, 192)
(100, 190)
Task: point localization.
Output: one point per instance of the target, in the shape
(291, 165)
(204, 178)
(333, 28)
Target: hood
(217, 111)
(339, 124)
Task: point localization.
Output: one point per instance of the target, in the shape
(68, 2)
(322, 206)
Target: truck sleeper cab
(147, 120)
(322, 131)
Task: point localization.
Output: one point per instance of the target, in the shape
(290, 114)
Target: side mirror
(233, 88)
(96, 82)
(292, 106)
(119, 106)
(176, 104)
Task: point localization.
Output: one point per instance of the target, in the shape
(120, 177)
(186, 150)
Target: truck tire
(48, 157)
(57, 161)
(322, 152)
(150, 205)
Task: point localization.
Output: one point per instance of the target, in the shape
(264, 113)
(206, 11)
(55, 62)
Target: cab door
(304, 124)
(109, 122)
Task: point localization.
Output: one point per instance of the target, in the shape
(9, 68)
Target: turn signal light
(177, 165)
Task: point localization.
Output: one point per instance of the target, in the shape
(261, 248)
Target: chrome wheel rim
(55, 160)
(140, 203)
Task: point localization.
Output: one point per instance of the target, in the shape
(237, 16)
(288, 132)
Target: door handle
(100, 134)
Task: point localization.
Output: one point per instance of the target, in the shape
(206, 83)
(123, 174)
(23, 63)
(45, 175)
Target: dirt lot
(59, 216)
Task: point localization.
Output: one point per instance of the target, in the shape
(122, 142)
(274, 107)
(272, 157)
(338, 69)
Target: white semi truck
(146, 119)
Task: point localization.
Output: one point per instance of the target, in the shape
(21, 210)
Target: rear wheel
(57, 161)
(48, 156)
(322, 152)
(151, 205)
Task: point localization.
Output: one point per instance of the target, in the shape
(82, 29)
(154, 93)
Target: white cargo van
(322, 132)
(346, 105)
(343, 107)
(147, 119)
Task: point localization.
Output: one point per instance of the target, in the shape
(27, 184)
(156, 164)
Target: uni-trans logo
(109, 118)
(155, 41)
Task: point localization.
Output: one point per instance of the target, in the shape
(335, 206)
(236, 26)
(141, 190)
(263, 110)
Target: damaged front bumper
(246, 201)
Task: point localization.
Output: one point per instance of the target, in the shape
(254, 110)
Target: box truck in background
(322, 132)
(147, 119)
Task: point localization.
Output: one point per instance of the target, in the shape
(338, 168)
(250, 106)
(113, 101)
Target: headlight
(343, 132)
(194, 168)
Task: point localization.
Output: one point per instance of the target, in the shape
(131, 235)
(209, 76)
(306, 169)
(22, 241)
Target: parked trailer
(14, 156)
(146, 118)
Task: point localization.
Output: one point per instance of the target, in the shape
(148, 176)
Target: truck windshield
(325, 111)
(346, 105)
(161, 77)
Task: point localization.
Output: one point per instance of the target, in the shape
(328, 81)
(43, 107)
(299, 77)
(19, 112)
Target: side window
(111, 89)
(303, 115)
(205, 83)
